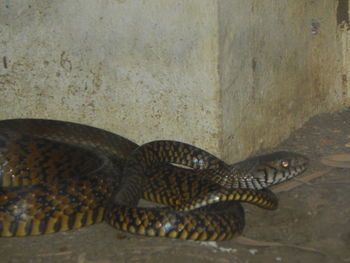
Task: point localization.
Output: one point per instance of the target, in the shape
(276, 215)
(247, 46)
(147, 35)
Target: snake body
(56, 176)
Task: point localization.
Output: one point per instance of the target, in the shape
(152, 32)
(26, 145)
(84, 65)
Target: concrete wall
(229, 76)
(279, 65)
(144, 69)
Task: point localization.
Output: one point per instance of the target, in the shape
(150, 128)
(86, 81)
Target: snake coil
(56, 176)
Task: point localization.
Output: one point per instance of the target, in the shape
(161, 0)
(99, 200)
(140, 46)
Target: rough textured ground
(312, 223)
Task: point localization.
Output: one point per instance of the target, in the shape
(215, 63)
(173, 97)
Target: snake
(57, 176)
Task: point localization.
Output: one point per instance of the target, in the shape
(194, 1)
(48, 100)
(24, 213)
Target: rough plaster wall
(144, 69)
(279, 65)
(149, 69)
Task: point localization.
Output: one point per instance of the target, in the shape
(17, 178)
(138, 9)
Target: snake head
(266, 170)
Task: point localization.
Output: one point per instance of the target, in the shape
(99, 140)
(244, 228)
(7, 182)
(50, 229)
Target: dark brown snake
(56, 176)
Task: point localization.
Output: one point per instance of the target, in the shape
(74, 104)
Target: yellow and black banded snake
(56, 176)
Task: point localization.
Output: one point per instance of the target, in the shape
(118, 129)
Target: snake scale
(56, 176)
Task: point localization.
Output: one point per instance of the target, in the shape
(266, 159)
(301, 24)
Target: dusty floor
(312, 223)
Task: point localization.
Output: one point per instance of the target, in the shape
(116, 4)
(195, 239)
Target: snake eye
(285, 163)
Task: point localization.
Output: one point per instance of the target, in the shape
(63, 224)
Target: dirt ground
(312, 223)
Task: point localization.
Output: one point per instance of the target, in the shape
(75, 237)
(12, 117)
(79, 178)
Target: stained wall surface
(230, 76)
(280, 63)
(144, 69)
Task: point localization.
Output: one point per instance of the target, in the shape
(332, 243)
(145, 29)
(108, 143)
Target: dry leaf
(326, 141)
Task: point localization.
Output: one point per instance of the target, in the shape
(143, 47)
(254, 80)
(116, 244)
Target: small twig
(301, 181)
(63, 253)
